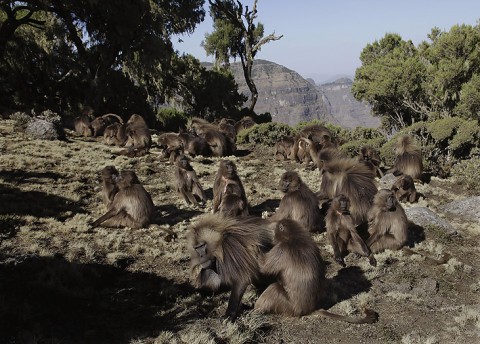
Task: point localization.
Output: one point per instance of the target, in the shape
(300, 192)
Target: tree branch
(265, 40)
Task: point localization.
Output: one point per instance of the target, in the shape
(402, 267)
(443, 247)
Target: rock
(466, 208)
(387, 181)
(46, 126)
(424, 217)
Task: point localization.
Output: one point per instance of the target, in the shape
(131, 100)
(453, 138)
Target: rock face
(283, 93)
(348, 111)
(291, 99)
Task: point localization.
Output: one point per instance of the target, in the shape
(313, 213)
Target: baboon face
(126, 179)
(343, 203)
(109, 172)
(386, 199)
(407, 182)
(229, 168)
(183, 162)
(290, 181)
(206, 259)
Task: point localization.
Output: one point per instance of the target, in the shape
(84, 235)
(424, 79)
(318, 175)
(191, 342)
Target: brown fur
(219, 144)
(232, 203)
(83, 126)
(370, 156)
(322, 151)
(388, 223)
(115, 135)
(226, 251)
(301, 153)
(131, 207)
(299, 203)
(316, 133)
(341, 231)
(195, 145)
(109, 184)
(354, 180)
(296, 262)
(139, 139)
(187, 182)
(226, 174)
(170, 141)
(245, 123)
(404, 189)
(100, 123)
(228, 130)
(283, 148)
(408, 158)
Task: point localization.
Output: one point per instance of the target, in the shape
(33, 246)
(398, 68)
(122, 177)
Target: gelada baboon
(226, 251)
(370, 156)
(283, 148)
(387, 223)
(115, 134)
(131, 207)
(300, 152)
(245, 123)
(109, 184)
(83, 126)
(219, 144)
(187, 183)
(408, 158)
(139, 139)
(322, 151)
(226, 174)
(296, 262)
(404, 189)
(341, 232)
(316, 133)
(232, 203)
(194, 145)
(353, 179)
(228, 130)
(298, 203)
(100, 123)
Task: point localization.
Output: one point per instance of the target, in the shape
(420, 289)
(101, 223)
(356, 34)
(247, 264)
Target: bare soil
(63, 282)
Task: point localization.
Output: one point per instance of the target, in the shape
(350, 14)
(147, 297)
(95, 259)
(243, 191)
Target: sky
(323, 39)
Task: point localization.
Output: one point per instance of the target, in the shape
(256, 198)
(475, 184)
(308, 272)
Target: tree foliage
(236, 35)
(114, 55)
(437, 79)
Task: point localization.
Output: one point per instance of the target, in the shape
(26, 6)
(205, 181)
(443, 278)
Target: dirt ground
(63, 282)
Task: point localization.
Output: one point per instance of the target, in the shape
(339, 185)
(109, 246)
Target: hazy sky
(323, 39)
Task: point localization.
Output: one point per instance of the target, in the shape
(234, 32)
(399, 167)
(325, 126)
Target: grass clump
(466, 172)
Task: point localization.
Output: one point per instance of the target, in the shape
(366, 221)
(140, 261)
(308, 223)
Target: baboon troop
(233, 248)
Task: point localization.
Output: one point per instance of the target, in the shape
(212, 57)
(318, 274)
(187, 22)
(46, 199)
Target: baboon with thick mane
(100, 123)
(226, 251)
(296, 262)
(370, 156)
(353, 179)
(408, 158)
(283, 148)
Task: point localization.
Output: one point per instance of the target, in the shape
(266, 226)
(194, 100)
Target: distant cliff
(348, 111)
(291, 99)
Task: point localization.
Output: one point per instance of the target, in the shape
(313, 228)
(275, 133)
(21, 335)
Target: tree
(236, 35)
(110, 54)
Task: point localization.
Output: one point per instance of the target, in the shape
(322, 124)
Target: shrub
(352, 147)
(265, 133)
(466, 172)
(171, 119)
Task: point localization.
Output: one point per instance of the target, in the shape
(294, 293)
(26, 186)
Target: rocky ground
(63, 282)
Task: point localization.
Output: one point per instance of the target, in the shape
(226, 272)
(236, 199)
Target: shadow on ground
(48, 299)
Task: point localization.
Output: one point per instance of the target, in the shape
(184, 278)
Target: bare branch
(265, 40)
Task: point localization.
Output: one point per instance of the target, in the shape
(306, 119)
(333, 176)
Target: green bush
(443, 142)
(352, 147)
(265, 133)
(171, 119)
(466, 172)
